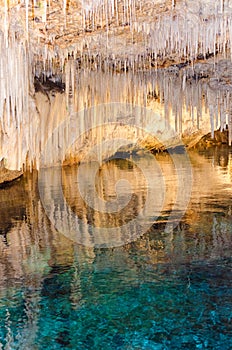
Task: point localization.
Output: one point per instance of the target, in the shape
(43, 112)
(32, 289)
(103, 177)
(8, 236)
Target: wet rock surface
(219, 137)
(7, 176)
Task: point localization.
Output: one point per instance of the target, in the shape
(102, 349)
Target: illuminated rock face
(86, 44)
(191, 108)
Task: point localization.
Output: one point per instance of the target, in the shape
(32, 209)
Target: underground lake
(115, 174)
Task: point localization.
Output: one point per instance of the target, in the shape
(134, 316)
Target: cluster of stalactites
(183, 95)
(188, 30)
(16, 88)
(201, 28)
(184, 102)
(177, 103)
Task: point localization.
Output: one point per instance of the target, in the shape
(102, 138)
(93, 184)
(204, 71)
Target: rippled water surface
(169, 289)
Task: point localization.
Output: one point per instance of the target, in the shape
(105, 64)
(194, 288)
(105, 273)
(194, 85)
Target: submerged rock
(208, 140)
(7, 175)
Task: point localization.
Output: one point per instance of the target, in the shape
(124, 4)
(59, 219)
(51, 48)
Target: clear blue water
(166, 290)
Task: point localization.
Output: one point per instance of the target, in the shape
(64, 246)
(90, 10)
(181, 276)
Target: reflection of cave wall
(105, 184)
(31, 245)
(27, 239)
(86, 216)
(35, 257)
(12, 205)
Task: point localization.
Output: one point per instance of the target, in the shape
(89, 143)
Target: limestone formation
(68, 55)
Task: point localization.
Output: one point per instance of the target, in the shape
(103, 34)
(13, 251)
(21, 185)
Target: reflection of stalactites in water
(34, 244)
(106, 181)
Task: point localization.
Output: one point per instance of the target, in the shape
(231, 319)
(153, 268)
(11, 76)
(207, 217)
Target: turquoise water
(167, 290)
(166, 307)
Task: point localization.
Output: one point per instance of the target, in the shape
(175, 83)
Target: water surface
(169, 289)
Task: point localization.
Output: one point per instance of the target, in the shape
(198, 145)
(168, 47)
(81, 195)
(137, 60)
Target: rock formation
(58, 57)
